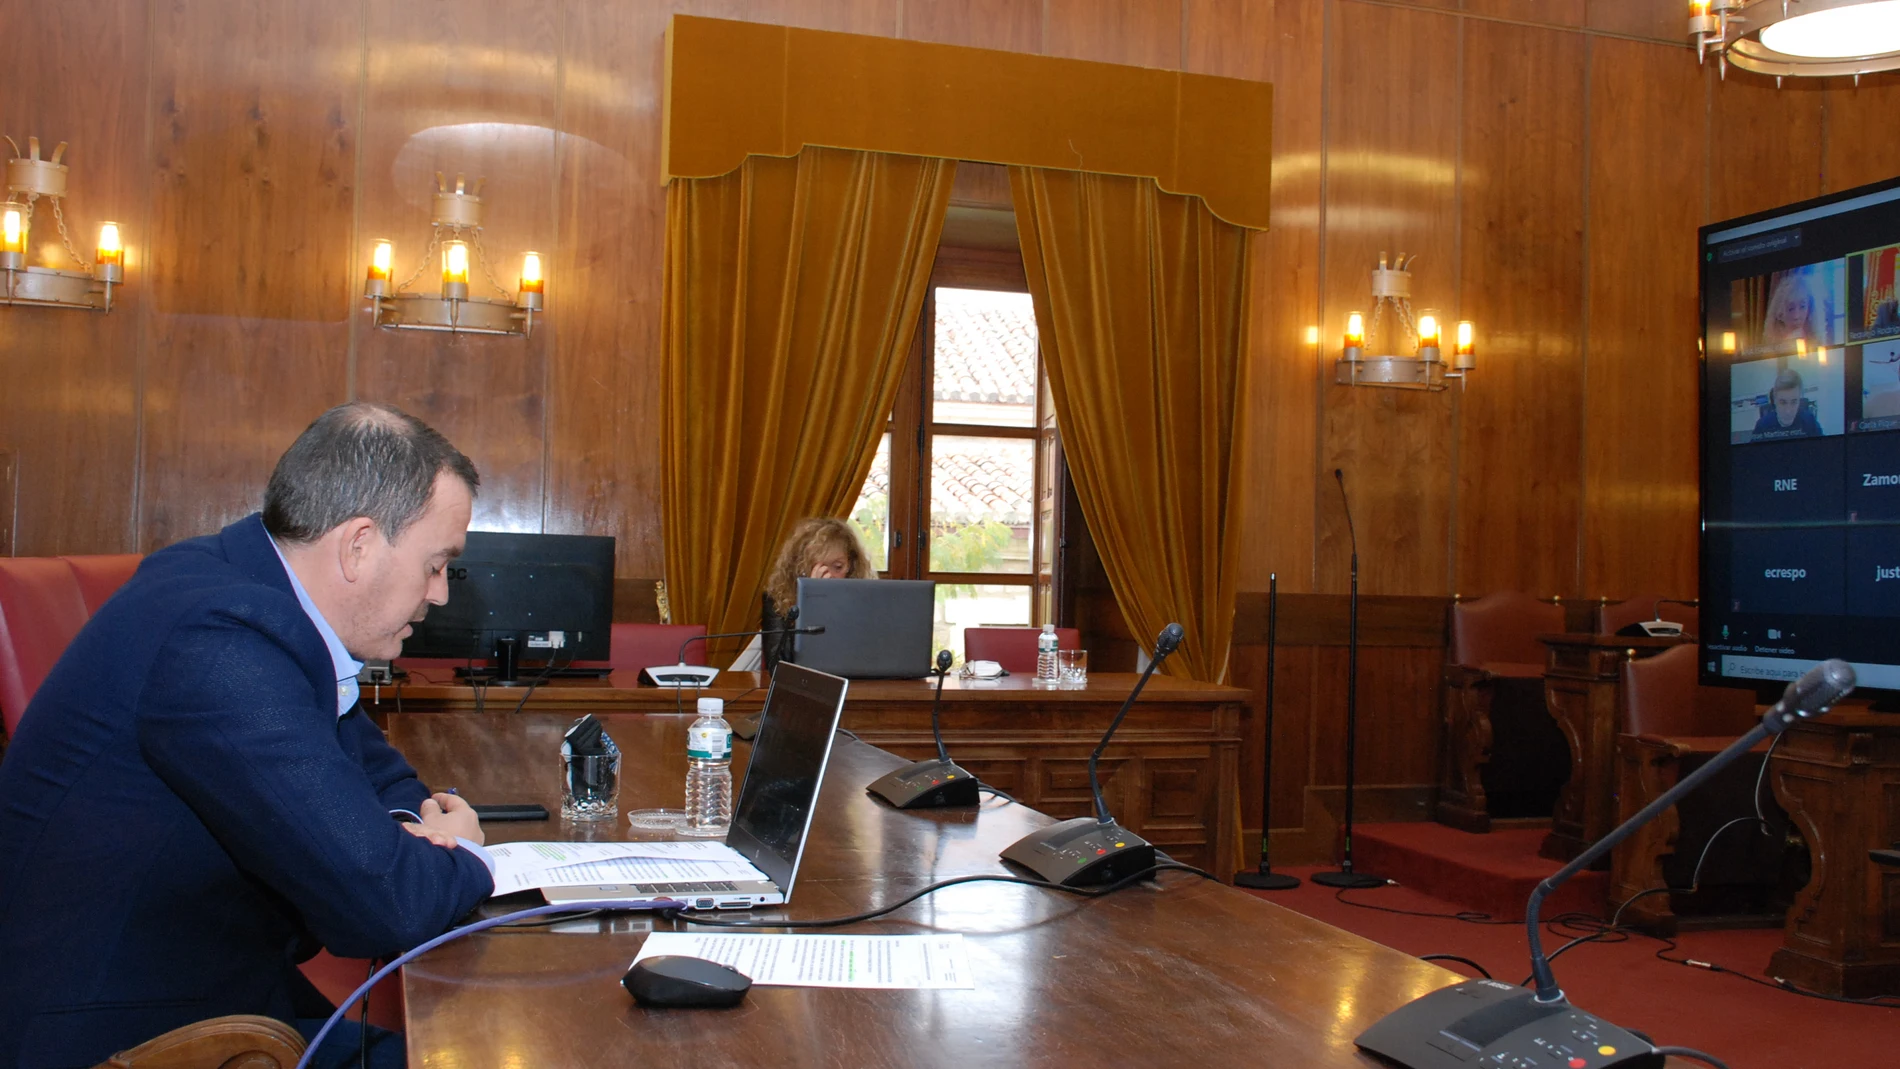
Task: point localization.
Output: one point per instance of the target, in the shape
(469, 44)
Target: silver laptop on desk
(772, 819)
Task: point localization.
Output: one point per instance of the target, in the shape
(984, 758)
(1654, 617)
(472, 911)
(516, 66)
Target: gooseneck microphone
(1491, 1023)
(1166, 642)
(933, 783)
(1087, 851)
(1345, 877)
(936, 705)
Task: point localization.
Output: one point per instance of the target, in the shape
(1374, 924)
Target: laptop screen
(874, 628)
(773, 816)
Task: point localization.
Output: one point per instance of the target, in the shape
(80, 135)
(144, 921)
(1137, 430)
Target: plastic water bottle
(709, 770)
(1046, 670)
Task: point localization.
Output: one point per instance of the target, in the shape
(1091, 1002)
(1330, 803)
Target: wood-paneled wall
(1549, 163)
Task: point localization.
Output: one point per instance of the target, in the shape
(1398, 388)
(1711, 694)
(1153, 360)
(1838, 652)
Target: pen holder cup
(590, 786)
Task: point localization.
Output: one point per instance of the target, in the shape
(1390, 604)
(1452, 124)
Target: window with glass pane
(982, 503)
(983, 358)
(872, 513)
(962, 463)
(965, 605)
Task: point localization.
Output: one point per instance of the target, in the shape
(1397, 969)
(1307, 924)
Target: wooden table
(1172, 773)
(1839, 779)
(1582, 688)
(1180, 972)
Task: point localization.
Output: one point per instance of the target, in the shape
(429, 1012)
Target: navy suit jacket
(184, 817)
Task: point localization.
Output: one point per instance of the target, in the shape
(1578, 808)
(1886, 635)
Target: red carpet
(1491, 873)
(1746, 1025)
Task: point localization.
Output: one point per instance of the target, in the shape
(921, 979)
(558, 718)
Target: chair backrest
(101, 575)
(1502, 628)
(1617, 615)
(1661, 697)
(647, 645)
(1013, 647)
(41, 610)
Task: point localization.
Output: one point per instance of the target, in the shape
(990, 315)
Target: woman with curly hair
(816, 548)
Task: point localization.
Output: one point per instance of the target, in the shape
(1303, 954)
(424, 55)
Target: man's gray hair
(359, 459)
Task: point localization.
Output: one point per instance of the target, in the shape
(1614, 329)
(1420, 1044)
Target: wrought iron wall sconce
(1425, 370)
(30, 178)
(455, 243)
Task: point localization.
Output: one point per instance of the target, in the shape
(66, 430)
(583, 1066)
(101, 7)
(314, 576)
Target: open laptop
(874, 628)
(772, 819)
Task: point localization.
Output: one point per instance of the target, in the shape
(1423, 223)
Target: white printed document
(532, 866)
(890, 962)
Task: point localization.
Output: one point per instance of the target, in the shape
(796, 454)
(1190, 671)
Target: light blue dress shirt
(348, 690)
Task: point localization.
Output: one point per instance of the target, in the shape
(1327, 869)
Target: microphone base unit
(1083, 852)
(1265, 880)
(680, 675)
(931, 784)
(1484, 1024)
(1346, 879)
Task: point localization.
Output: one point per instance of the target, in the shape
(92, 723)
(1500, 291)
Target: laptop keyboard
(707, 887)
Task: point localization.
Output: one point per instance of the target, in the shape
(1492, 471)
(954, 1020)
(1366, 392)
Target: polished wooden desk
(1582, 688)
(1171, 774)
(1179, 972)
(1839, 779)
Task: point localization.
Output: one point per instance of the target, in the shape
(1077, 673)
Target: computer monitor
(519, 598)
(874, 628)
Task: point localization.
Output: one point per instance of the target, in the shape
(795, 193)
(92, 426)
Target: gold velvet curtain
(1139, 298)
(791, 292)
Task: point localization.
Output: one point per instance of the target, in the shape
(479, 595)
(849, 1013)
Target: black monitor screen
(1801, 441)
(553, 594)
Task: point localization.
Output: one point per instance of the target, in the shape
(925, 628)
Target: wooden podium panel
(1581, 689)
(1838, 777)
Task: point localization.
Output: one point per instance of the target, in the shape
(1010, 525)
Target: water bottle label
(712, 743)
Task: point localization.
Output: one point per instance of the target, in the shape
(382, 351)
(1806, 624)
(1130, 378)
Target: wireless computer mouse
(675, 980)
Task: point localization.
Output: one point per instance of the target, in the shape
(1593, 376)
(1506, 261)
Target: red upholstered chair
(1504, 755)
(1615, 616)
(1674, 726)
(637, 646)
(41, 610)
(101, 575)
(1013, 647)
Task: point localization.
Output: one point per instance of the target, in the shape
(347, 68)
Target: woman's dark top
(773, 647)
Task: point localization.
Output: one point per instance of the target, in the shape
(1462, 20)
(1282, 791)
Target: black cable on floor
(1469, 916)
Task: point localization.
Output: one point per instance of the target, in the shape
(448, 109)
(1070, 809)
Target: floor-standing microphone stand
(1264, 878)
(1346, 877)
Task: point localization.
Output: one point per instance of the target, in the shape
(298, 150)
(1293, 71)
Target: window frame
(912, 422)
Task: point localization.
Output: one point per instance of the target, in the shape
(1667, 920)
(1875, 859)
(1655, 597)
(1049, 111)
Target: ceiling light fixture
(1798, 38)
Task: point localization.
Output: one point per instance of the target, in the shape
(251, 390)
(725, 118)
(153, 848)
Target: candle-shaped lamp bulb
(13, 230)
(110, 258)
(1428, 337)
(455, 270)
(529, 295)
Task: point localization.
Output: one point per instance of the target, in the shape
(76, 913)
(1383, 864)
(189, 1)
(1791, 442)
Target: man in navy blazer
(195, 802)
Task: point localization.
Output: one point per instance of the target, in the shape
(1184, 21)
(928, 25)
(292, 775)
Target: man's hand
(449, 813)
(435, 835)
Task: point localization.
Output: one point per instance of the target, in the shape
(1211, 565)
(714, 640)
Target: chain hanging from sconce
(30, 178)
(455, 229)
(1425, 370)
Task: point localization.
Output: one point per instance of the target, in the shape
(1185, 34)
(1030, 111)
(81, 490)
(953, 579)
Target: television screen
(552, 594)
(1801, 441)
